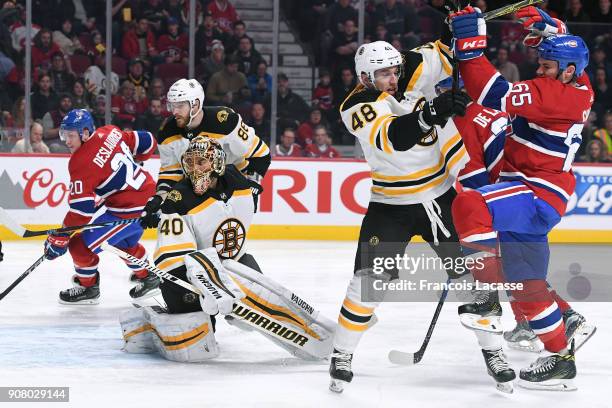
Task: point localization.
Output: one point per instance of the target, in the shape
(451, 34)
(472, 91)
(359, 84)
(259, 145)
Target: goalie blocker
(247, 298)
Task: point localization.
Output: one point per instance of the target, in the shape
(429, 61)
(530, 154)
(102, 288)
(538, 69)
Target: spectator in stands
(287, 146)
(44, 99)
(155, 12)
(508, 69)
(291, 108)
(67, 39)
(36, 144)
(205, 37)
(137, 76)
(157, 90)
(81, 99)
(259, 122)
(305, 132)
(224, 13)
(99, 111)
(339, 12)
(598, 60)
(596, 152)
(344, 45)
(243, 103)
(527, 68)
(238, 32)
(174, 45)
(247, 56)
(43, 49)
(260, 82)
(125, 105)
(16, 119)
(603, 93)
(95, 77)
(60, 77)
(400, 21)
(322, 145)
(603, 14)
(576, 14)
(381, 33)
(139, 41)
(6, 66)
(215, 62)
(224, 85)
(323, 96)
(51, 123)
(344, 87)
(153, 118)
(605, 134)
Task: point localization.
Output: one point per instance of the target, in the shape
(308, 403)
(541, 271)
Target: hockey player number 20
(367, 113)
(125, 159)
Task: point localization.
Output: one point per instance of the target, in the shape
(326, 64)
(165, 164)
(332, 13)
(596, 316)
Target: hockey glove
(539, 24)
(438, 110)
(149, 217)
(56, 245)
(469, 33)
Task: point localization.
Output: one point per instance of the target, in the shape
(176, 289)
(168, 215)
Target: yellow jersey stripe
(376, 128)
(171, 139)
(239, 193)
(207, 203)
(385, 137)
(171, 167)
(355, 308)
(212, 135)
(425, 172)
(415, 77)
(170, 262)
(242, 164)
(170, 177)
(447, 68)
(173, 248)
(253, 147)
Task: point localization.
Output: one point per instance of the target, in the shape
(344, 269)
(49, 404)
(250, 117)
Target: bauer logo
(593, 195)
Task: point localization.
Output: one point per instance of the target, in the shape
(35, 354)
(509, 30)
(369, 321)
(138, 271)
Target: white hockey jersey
(428, 169)
(239, 141)
(218, 219)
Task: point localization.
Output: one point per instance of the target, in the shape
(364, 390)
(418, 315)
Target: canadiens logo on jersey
(229, 238)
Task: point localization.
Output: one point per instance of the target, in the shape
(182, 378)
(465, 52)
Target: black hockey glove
(149, 218)
(442, 107)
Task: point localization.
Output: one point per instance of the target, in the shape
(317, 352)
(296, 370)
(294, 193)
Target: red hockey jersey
(547, 117)
(483, 131)
(106, 166)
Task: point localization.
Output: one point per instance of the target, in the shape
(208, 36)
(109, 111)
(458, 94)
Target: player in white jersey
(243, 147)
(415, 153)
(201, 238)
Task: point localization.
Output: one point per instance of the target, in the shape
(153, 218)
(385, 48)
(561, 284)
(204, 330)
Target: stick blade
(401, 358)
(11, 224)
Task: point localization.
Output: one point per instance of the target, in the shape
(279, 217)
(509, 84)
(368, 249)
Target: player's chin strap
(433, 213)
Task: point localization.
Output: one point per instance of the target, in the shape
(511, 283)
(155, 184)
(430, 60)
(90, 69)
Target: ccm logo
(473, 44)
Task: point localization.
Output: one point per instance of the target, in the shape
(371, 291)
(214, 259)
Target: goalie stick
(22, 232)
(406, 358)
(22, 277)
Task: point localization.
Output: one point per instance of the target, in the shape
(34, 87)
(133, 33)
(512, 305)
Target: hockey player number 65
(125, 159)
(522, 94)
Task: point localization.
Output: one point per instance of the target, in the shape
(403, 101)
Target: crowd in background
(150, 47)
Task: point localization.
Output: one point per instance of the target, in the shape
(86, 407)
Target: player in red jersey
(515, 215)
(104, 164)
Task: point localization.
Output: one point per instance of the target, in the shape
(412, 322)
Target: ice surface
(44, 343)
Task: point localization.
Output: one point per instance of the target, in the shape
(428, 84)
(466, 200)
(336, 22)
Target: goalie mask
(203, 160)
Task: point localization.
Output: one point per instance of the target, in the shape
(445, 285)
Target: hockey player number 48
(367, 112)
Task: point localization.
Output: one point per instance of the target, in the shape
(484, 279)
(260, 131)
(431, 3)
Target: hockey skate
(553, 373)
(146, 287)
(577, 328)
(340, 370)
(499, 369)
(483, 314)
(81, 295)
(523, 338)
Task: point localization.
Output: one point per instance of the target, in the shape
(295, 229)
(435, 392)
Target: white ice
(43, 343)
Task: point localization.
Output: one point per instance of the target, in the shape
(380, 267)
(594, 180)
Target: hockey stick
(510, 8)
(22, 232)
(22, 277)
(405, 358)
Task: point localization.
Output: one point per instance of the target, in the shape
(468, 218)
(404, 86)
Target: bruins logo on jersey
(229, 238)
(222, 116)
(175, 196)
(431, 137)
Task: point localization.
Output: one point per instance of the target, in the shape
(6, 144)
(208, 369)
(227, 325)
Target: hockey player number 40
(125, 159)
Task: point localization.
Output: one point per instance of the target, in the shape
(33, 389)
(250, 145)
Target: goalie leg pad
(184, 337)
(137, 332)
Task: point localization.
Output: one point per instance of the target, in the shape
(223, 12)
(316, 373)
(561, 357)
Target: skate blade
(149, 294)
(529, 346)
(549, 385)
(85, 302)
(582, 335)
(489, 324)
(506, 387)
(336, 386)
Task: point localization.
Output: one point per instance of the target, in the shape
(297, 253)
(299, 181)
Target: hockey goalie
(201, 239)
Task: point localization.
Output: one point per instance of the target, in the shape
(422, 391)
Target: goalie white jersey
(219, 219)
(428, 169)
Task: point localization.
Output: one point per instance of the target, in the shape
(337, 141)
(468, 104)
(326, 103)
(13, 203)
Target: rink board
(302, 198)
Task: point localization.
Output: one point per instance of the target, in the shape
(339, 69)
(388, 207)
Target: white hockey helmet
(186, 90)
(376, 55)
